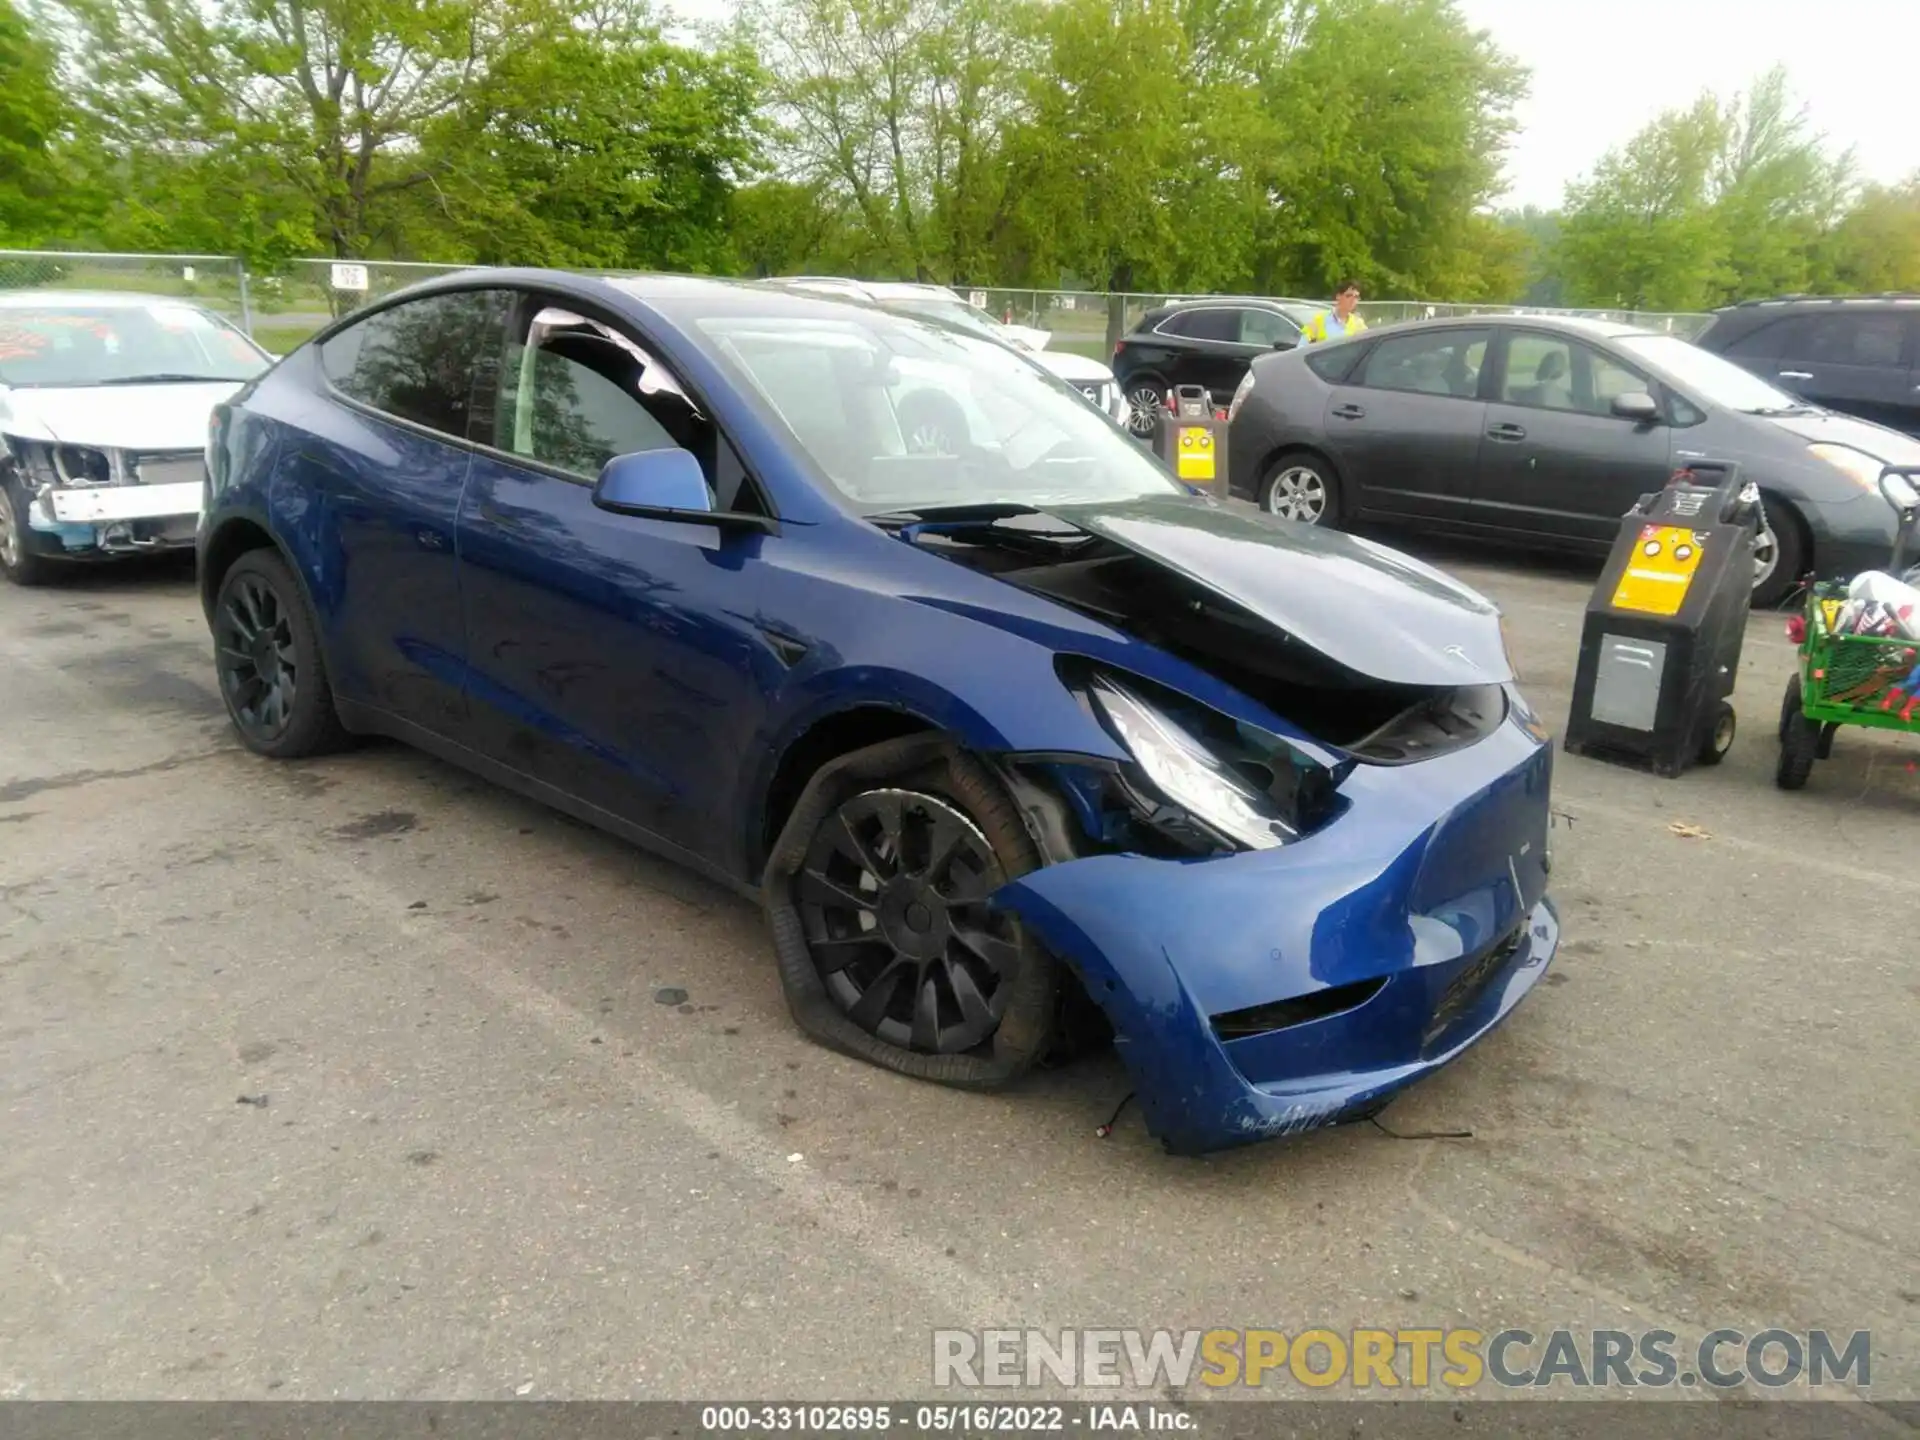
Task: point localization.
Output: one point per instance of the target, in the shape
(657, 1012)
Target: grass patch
(279, 339)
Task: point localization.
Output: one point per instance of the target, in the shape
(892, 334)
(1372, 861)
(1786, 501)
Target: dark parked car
(1859, 356)
(1011, 743)
(1545, 431)
(1200, 342)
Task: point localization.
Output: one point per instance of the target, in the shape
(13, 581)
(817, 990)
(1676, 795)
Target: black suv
(1858, 355)
(1200, 342)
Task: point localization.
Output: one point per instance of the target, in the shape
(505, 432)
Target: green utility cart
(1847, 678)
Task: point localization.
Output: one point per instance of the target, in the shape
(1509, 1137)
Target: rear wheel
(1301, 487)
(1146, 399)
(22, 564)
(1799, 741)
(267, 654)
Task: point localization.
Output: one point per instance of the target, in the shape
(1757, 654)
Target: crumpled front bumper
(117, 517)
(1412, 923)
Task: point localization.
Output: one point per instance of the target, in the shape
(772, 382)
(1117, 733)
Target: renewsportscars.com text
(1412, 1359)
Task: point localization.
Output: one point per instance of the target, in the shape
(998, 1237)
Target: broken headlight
(1192, 773)
(44, 463)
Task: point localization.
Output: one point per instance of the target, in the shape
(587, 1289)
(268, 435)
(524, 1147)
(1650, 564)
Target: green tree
(608, 147)
(895, 109)
(1640, 232)
(1391, 119)
(1106, 129)
(333, 95)
(34, 195)
(1718, 202)
(1876, 246)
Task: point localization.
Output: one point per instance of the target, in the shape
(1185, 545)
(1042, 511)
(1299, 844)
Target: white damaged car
(104, 405)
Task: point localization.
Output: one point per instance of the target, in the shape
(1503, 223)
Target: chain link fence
(281, 307)
(1090, 321)
(217, 282)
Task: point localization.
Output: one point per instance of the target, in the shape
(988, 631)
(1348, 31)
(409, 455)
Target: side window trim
(1357, 377)
(527, 304)
(360, 318)
(1579, 352)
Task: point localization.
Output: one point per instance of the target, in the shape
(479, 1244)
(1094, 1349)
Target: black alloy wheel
(892, 899)
(267, 656)
(259, 672)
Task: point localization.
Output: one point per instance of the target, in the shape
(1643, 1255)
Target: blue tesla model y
(1019, 742)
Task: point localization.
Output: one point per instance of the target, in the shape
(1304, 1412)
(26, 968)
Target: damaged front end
(1321, 872)
(87, 501)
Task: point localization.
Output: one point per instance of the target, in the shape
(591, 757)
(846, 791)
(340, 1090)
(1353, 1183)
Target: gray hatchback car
(1544, 431)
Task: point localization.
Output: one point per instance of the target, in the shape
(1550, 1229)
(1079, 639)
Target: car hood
(1374, 610)
(1887, 446)
(120, 417)
(1071, 367)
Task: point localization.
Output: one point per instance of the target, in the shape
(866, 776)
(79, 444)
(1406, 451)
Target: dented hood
(122, 417)
(1371, 609)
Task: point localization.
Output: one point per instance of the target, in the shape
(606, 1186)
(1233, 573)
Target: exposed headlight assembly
(48, 464)
(1193, 774)
(1856, 465)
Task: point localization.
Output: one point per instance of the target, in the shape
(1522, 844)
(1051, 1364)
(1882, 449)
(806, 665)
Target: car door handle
(1348, 412)
(1795, 375)
(1506, 432)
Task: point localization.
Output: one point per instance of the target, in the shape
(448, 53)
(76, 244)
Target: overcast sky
(1603, 68)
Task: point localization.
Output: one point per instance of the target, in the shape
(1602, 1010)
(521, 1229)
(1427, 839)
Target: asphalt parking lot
(353, 1079)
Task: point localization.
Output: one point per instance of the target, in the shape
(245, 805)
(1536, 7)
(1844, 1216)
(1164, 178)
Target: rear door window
(1266, 328)
(1875, 341)
(430, 361)
(1215, 324)
(1427, 362)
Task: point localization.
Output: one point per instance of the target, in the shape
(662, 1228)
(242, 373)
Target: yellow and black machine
(1660, 650)
(1192, 439)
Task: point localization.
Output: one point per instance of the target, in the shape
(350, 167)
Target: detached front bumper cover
(1273, 992)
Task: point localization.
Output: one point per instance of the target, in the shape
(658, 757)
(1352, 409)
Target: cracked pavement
(477, 1156)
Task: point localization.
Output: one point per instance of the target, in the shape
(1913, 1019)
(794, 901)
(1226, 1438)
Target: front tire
(273, 677)
(1781, 559)
(1302, 487)
(19, 561)
(876, 895)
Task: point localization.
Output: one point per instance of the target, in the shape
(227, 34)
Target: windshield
(1707, 376)
(121, 345)
(901, 415)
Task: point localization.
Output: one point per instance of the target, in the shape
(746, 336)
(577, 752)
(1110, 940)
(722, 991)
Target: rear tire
(20, 562)
(273, 676)
(1300, 486)
(1799, 741)
(1146, 401)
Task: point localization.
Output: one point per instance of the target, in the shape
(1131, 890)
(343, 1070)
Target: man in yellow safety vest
(1342, 320)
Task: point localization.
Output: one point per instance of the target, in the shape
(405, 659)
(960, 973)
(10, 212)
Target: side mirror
(1899, 491)
(1637, 406)
(647, 482)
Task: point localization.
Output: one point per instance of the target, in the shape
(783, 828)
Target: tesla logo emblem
(1457, 653)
